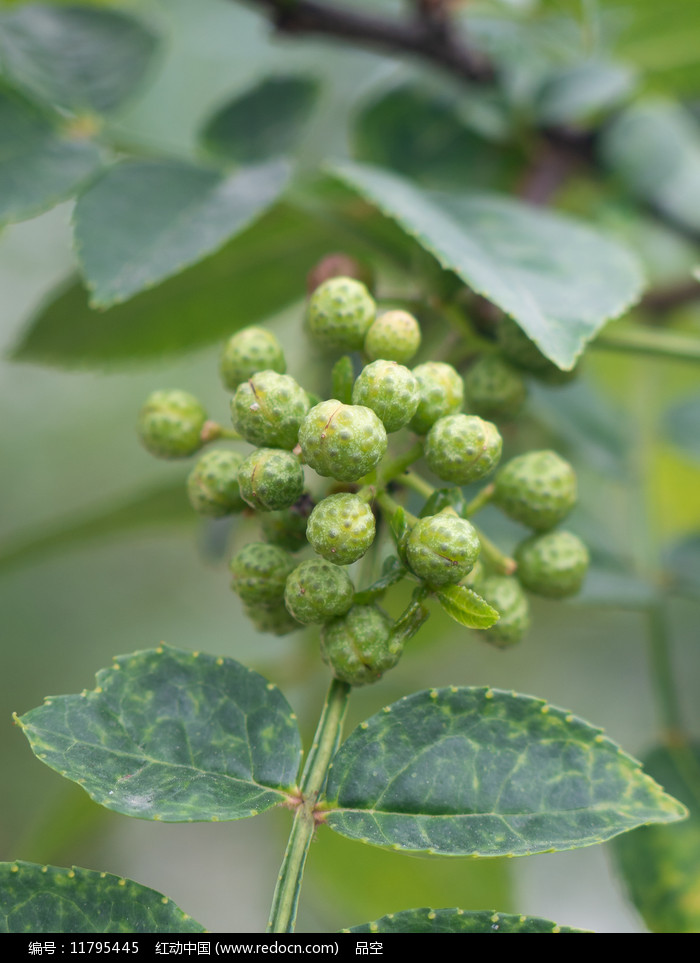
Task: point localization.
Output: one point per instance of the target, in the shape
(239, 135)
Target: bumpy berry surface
(260, 574)
(553, 565)
(504, 593)
(212, 485)
(358, 646)
(317, 592)
(390, 390)
(340, 312)
(342, 441)
(247, 352)
(494, 388)
(268, 409)
(287, 528)
(274, 619)
(170, 423)
(441, 393)
(537, 489)
(521, 351)
(463, 448)
(341, 528)
(271, 479)
(394, 336)
(442, 548)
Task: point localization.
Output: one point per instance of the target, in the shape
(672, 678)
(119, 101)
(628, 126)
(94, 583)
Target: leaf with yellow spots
(482, 772)
(452, 920)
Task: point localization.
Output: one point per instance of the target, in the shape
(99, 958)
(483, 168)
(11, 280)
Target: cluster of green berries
(299, 443)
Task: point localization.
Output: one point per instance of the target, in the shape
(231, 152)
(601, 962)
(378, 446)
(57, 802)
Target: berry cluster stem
(325, 744)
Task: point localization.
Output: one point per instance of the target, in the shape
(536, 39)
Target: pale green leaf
(172, 735)
(75, 57)
(49, 899)
(580, 92)
(144, 221)
(425, 920)
(466, 607)
(560, 280)
(475, 771)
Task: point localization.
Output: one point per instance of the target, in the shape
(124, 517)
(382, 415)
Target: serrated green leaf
(50, 899)
(681, 424)
(654, 148)
(143, 221)
(661, 864)
(75, 57)
(466, 607)
(476, 771)
(172, 735)
(559, 279)
(39, 166)
(264, 122)
(453, 920)
(343, 378)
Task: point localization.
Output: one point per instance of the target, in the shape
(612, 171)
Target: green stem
(397, 466)
(413, 480)
(653, 341)
(389, 506)
(478, 502)
(494, 557)
(325, 744)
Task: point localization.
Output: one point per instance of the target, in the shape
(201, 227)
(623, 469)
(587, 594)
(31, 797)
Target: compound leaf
(466, 607)
(560, 280)
(481, 772)
(50, 899)
(425, 920)
(172, 735)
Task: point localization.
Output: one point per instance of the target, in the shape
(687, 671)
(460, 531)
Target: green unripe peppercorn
(212, 486)
(260, 573)
(271, 479)
(537, 489)
(268, 410)
(341, 528)
(317, 592)
(394, 336)
(342, 441)
(170, 424)
(441, 393)
(553, 565)
(358, 646)
(494, 388)
(463, 448)
(442, 548)
(504, 593)
(247, 352)
(274, 619)
(390, 390)
(340, 312)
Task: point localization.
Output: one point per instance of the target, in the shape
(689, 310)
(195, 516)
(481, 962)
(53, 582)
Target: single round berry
(212, 485)
(441, 393)
(494, 388)
(317, 592)
(442, 548)
(342, 441)
(247, 352)
(287, 528)
(268, 409)
(504, 593)
(340, 312)
(274, 619)
(170, 424)
(463, 448)
(358, 646)
(394, 336)
(271, 479)
(553, 565)
(537, 489)
(341, 528)
(260, 573)
(390, 390)
(524, 353)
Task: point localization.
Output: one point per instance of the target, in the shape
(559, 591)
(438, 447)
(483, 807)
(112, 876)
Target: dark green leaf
(412, 618)
(661, 864)
(682, 422)
(426, 920)
(579, 92)
(49, 899)
(76, 57)
(399, 524)
(343, 376)
(143, 221)
(265, 122)
(560, 280)
(39, 165)
(466, 607)
(165, 505)
(444, 498)
(474, 771)
(393, 572)
(172, 735)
